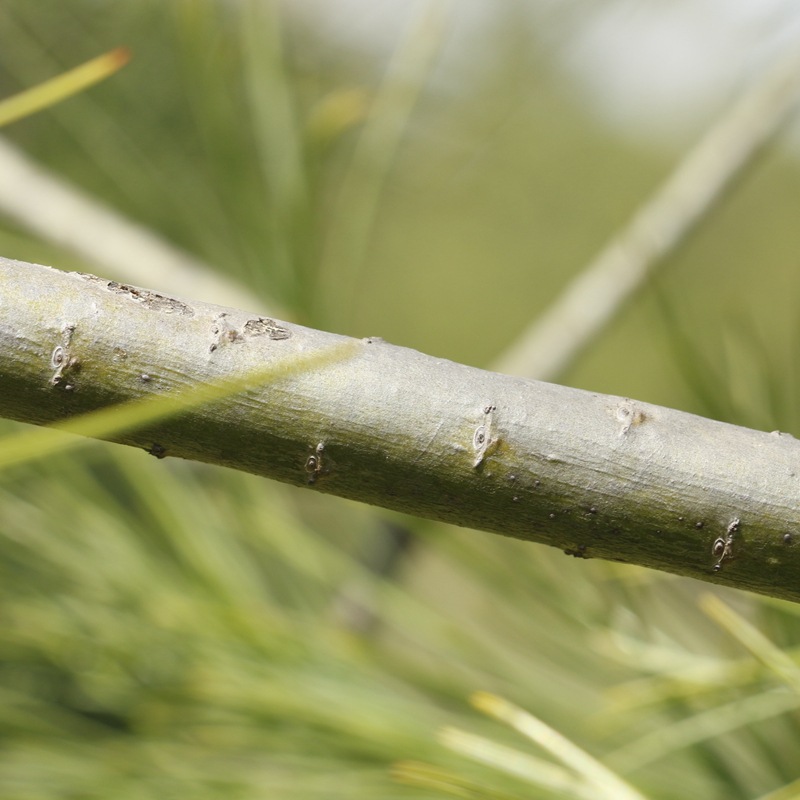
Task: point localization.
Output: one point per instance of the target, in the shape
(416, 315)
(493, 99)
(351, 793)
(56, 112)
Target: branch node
(484, 440)
(157, 450)
(630, 416)
(314, 463)
(723, 545)
(63, 363)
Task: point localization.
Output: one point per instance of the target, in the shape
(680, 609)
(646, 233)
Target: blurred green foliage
(171, 630)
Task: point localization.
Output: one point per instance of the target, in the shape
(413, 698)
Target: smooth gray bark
(595, 475)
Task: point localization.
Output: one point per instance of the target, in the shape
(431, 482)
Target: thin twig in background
(60, 213)
(588, 304)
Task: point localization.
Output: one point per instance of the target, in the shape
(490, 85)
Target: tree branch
(595, 475)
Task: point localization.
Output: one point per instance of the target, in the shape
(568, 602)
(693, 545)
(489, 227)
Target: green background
(172, 630)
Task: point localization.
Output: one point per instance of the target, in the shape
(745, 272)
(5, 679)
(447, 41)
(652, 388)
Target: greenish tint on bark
(594, 475)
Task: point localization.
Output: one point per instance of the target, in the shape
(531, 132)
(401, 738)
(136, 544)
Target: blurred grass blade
(513, 762)
(376, 151)
(278, 144)
(32, 444)
(605, 782)
(414, 773)
(337, 112)
(789, 792)
(702, 727)
(750, 637)
(62, 86)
